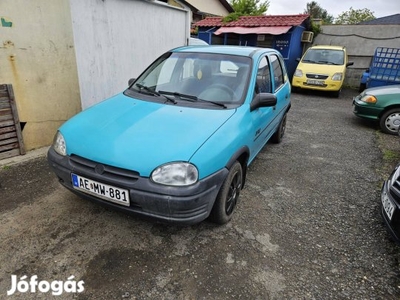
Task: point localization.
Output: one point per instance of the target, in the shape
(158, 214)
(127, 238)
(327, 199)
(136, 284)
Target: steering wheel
(221, 86)
(217, 91)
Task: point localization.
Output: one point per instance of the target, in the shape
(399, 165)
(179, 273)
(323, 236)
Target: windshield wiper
(181, 96)
(309, 60)
(153, 92)
(213, 102)
(191, 98)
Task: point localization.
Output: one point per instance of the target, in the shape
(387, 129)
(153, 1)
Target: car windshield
(196, 77)
(324, 56)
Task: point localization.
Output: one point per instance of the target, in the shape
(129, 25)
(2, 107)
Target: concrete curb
(41, 152)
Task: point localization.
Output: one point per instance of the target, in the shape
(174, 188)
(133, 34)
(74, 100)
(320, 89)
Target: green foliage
(317, 12)
(246, 8)
(355, 16)
(316, 28)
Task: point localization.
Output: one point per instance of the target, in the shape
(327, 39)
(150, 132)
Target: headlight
(337, 76)
(395, 175)
(176, 174)
(59, 144)
(298, 73)
(369, 99)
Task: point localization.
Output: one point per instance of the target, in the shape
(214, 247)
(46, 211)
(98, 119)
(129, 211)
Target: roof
(222, 49)
(255, 21)
(388, 20)
(331, 47)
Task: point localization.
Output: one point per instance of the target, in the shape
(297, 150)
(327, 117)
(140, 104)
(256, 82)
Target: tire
(390, 120)
(228, 195)
(280, 132)
(362, 87)
(336, 94)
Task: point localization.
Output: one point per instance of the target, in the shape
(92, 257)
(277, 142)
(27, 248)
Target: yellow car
(322, 68)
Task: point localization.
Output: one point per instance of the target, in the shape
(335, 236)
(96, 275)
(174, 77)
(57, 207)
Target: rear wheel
(389, 122)
(228, 195)
(280, 132)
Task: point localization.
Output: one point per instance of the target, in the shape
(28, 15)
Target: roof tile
(255, 21)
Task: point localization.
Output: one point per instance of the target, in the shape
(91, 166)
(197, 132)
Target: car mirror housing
(263, 100)
(350, 63)
(130, 81)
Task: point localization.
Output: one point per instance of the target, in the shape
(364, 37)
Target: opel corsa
(176, 144)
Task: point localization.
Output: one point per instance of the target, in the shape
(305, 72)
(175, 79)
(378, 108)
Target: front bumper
(185, 205)
(365, 110)
(393, 224)
(328, 86)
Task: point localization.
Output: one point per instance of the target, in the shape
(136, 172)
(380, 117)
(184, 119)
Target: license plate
(387, 205)
(101, 190)
(315, 82)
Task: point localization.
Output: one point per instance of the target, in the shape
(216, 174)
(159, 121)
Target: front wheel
(228, 195)
(389, 122)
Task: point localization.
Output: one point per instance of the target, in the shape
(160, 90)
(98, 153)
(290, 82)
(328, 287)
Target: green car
(381, 104)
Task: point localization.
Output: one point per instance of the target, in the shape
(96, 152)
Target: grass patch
(390, 155)
(389, 146)
(6, 167)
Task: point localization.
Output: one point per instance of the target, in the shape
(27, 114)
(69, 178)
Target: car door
(263, 117)
(280, 85)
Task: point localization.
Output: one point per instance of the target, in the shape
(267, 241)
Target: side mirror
(263, 100)
(350, 63)
(298, 59)
(130, 81)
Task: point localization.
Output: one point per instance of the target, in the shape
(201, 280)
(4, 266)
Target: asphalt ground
(308, 225)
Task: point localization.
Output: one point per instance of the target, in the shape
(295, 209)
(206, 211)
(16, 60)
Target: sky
(380, 8)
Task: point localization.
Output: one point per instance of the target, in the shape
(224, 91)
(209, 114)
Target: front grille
(395, 190)
(85, 166)
(316, 76)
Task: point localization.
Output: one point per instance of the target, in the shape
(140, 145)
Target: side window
(279, 72)
(263, 84)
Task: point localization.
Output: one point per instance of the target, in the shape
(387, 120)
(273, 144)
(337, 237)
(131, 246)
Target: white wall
(116, 40)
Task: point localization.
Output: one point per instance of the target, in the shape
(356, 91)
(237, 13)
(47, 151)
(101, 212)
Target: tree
(317, 12)
(355, 16)
(247, 8)
(250, 7)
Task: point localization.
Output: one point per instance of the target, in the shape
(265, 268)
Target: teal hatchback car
(176, 144)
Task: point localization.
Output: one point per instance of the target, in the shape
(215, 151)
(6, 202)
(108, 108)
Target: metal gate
(11, 143)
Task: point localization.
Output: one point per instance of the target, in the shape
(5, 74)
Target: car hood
(320, 68)
(384, 90)
(140, 135)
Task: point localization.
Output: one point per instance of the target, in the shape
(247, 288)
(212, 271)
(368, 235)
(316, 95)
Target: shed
(286, 33)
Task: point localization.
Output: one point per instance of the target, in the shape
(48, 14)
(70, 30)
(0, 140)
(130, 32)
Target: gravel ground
(308, 225)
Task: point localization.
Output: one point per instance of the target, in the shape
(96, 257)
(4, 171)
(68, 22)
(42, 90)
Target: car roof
(332, 47)
(230, 50)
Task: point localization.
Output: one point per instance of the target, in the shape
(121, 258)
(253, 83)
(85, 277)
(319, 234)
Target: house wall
(360, 42)
(290, 46)
(209, 6)
(37, 57)
(116, 40)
